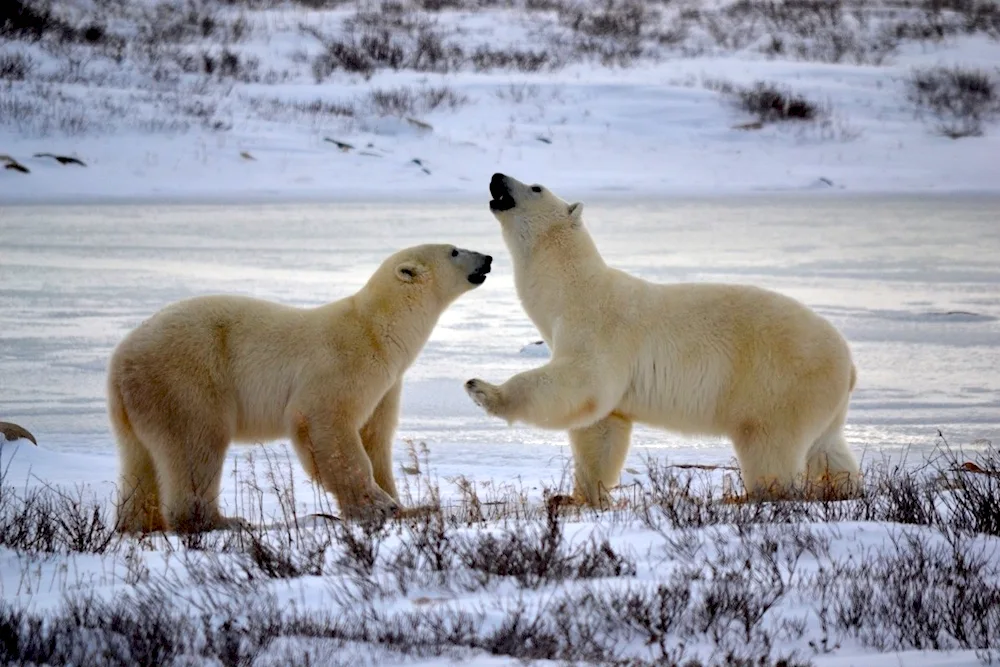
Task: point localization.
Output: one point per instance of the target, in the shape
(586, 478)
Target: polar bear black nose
(502, 199)
(498, 185)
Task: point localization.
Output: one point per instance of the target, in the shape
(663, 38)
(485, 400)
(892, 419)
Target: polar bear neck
(397, 328)
(550, 273)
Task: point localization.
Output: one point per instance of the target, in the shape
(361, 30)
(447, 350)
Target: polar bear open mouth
(502, 198)
(478, 277)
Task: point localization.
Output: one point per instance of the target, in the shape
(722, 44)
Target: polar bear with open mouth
(709, 359)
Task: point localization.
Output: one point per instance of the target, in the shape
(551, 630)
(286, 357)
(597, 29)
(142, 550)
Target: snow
(646, 130)
(881, 224)
(635, 134)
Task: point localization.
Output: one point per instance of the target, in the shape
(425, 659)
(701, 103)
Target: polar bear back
(232, 351)
(719, 359)
(702, 349)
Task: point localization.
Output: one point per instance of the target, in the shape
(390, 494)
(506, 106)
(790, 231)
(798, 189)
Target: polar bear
(702, 359)
(209, 370)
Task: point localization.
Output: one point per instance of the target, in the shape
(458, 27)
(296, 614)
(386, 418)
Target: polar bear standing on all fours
(208, 370)
(702, 359)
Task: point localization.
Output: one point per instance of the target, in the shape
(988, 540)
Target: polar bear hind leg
(832, 471)
(139, 504)
(139, 499)
(772, 458)
(182, 433)
(599, 452)
(190, 459)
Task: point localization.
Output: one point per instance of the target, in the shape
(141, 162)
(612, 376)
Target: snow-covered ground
(151, 124)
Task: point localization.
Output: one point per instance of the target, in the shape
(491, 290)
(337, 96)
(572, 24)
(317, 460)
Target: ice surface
(911, 282)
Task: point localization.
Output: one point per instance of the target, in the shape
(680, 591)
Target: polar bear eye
(536, 188)
(454, 252)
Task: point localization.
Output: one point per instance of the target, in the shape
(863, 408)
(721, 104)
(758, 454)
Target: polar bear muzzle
(477, 264)
(503, 198)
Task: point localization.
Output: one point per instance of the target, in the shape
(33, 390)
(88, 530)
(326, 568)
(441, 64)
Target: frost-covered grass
(237, 98)
(675, 573)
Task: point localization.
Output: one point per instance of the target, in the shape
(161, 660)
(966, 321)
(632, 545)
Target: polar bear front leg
(599, 453)
(332, 453)
(562, 394)
(377, 436)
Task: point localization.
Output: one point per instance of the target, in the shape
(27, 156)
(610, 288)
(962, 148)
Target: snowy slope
(156, 126)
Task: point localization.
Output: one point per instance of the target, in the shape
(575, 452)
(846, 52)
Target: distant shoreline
(639, 197)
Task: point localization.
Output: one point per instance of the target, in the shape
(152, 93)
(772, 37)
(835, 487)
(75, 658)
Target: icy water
(914, 284)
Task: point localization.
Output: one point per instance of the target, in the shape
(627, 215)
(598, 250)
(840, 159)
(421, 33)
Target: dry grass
(743, 579)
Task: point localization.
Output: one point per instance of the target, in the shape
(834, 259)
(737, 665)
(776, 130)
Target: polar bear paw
(485, 395)
(204, 523)
(375, 505)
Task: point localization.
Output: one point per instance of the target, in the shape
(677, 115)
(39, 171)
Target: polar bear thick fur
(210, 370)
(705, 359)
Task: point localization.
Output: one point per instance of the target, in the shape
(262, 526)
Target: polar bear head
(529, 212)
(443, 270)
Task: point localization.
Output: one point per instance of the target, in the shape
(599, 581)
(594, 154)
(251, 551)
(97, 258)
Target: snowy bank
(239, 104)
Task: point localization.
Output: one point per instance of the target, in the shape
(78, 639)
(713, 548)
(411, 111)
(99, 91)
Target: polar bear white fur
(708, 359)
(210, 370)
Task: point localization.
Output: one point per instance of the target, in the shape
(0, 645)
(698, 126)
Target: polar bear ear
(575, 212)
(410, 272)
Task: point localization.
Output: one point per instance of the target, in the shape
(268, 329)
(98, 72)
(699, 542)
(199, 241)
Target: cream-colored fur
(710, 359)
(210, 370)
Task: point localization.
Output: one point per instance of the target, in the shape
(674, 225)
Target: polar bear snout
(478, 275)
(503, 199)
(473, 265)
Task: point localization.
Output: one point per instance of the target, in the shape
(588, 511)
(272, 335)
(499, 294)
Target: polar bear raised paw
(713, 359)
(485, 395)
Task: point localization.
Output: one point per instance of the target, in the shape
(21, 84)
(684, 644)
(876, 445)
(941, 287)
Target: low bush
(15, 66)
(31, 19)
(768, 102)
(721, 584)
(960, 100)
(409, 101)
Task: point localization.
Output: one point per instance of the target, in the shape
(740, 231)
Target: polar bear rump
(712, 359)
(207, 371)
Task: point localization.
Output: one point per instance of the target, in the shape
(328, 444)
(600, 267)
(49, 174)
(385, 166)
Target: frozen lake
(914, 283)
